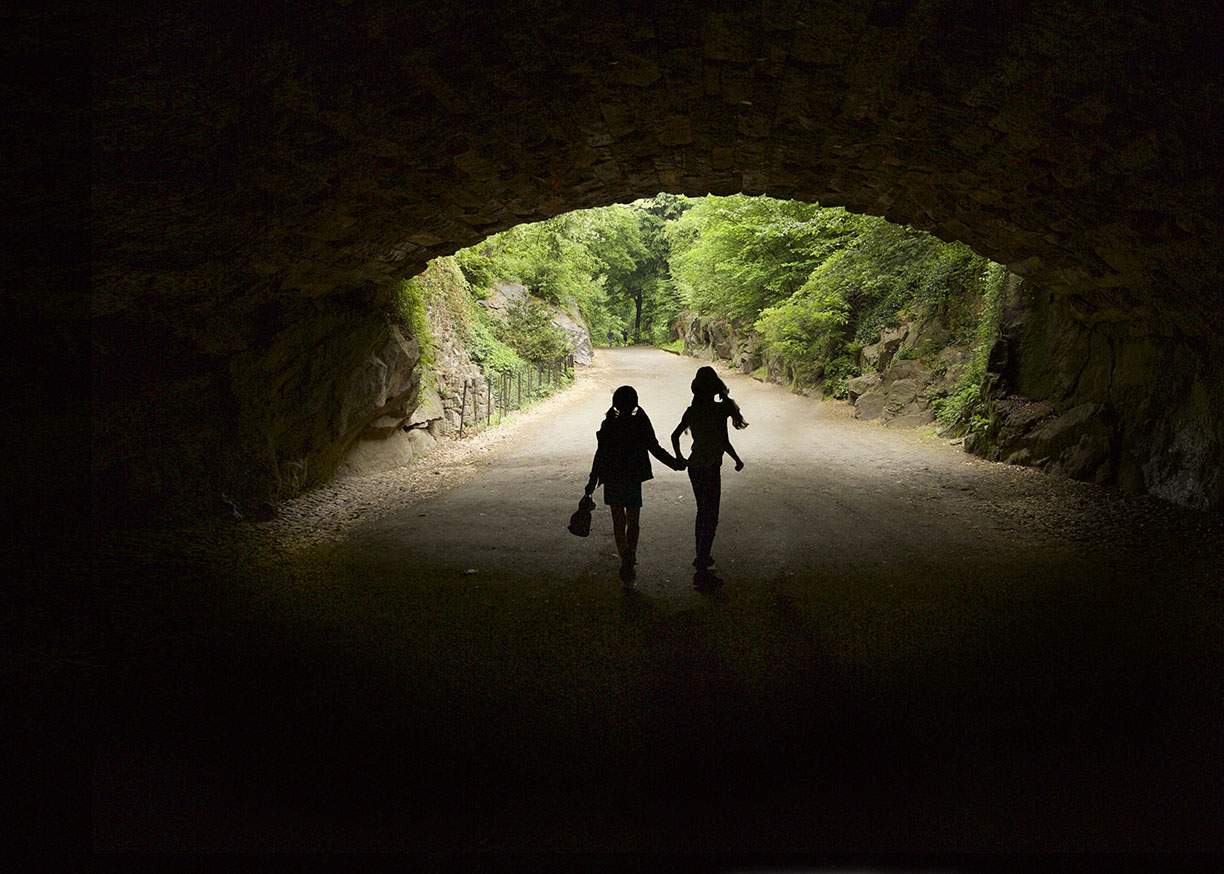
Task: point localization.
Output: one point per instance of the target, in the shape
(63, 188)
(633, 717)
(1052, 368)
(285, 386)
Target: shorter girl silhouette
(622, 465)
(707, 418)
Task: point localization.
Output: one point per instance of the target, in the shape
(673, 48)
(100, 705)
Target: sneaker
(627, 572)
(701, 563)
(706, 579)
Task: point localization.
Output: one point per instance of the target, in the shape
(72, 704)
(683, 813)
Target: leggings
(707, 489)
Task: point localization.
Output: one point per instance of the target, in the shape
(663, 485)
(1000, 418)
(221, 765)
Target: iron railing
(507, 391)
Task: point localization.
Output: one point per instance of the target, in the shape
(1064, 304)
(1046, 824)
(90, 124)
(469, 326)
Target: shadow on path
(898, 661)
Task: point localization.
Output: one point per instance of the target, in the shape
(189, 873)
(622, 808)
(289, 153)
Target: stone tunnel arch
(262, 175)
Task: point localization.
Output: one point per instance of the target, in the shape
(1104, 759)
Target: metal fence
(505, 392)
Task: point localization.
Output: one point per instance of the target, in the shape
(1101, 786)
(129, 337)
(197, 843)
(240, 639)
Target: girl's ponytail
(737, 418)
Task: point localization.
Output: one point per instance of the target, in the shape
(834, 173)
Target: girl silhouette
(622, 465)
(707, 418)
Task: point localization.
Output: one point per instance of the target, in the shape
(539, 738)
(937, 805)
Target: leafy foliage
(736, 256)
(810, 323)
(961, 406)
(613, 264)
(480, 270)
(817, 283)
(530, 332)
(410, 302)
(820, 283)
(550, 258)
(485, 348)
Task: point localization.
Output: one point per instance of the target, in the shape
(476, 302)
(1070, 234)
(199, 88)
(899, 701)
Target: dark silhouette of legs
(618, 529)
(626, 526)
(707, 490)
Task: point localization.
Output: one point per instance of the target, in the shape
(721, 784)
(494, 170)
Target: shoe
(627, 571)
(706, 579)
(702, 563)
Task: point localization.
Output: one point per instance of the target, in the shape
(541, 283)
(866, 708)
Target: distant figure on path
(622, 465)
(625, 337)
(611, 337)
(707, 418)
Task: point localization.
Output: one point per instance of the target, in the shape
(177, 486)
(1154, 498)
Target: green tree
(819, 283)
(735, 256)
(633, 249)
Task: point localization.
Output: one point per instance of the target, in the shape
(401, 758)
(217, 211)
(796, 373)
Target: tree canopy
(815, 283)
(612, 263)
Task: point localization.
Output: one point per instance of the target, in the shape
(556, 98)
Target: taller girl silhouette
(621, 464)
(707, 419)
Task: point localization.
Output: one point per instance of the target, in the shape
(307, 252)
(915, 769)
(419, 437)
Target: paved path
(914, 650)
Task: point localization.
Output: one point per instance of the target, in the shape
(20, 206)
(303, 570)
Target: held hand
(739, 465)
(681, 463)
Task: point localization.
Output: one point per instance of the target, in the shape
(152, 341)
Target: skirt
(623, 494)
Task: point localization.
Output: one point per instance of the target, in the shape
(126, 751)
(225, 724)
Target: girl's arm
(739, 465)
(653, 447)
(680, 429)
(596, 466)
(660, 453)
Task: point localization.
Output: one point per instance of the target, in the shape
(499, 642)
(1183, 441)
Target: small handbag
(580, 521)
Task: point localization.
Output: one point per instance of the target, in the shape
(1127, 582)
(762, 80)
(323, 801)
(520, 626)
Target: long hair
(707, 383)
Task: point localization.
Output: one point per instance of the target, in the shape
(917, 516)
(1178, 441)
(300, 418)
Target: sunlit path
(818, 488)
(913, 650)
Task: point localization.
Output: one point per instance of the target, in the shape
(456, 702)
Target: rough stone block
(860, 385)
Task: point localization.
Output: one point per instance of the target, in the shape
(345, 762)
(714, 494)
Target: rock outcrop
(504, 295)
(900, 390)
(721, 339)
(454, 391)
(1124, 401)
(256, 421)
(899, 396)
(576, 335)
(896, 390)
(382, 397)
(1128, 400)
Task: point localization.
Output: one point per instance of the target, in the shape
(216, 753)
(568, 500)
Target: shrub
(480, 270)
(962, 406)
(485, 348)
(530, 332)
(838, 373)
(410, 301)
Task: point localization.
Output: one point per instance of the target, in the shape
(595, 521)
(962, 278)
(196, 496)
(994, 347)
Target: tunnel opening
(240, 223)
(815, 299)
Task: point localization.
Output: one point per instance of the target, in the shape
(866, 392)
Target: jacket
(625, 447)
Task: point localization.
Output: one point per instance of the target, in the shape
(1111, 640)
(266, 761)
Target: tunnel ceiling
(308, 149)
